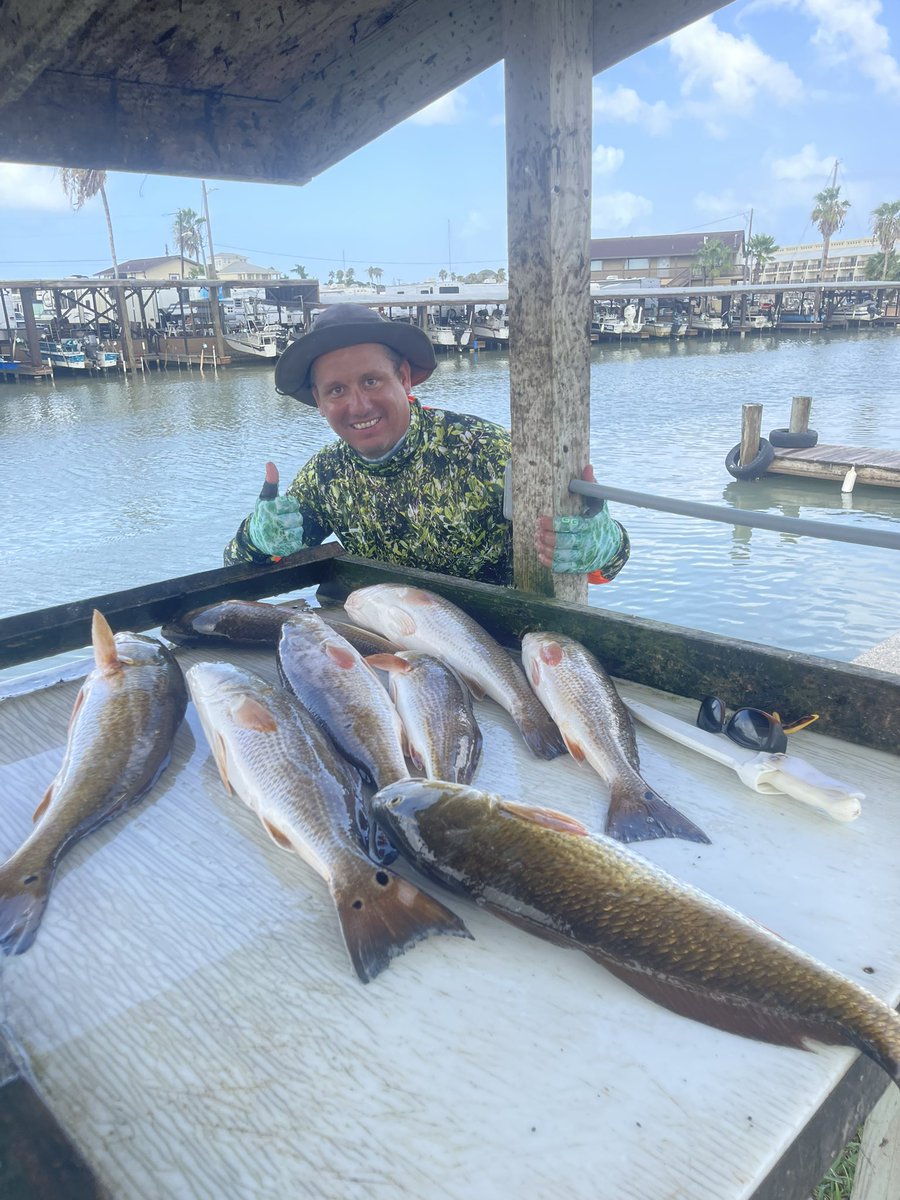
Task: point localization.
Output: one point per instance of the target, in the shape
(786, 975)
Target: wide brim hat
(343, 325)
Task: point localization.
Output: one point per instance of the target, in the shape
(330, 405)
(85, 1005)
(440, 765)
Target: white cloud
(735, 70)
(625, 105)
(850, 32)
(448, 110)
(613, 212)
(606, 159)
(806, 166)
(29, 187)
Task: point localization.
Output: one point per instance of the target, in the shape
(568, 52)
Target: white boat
(250, 340)
(447, 333)
(862, 313)
(99, 356)
(492, 329)
(66, 355)
(630, 323)
(706, 321)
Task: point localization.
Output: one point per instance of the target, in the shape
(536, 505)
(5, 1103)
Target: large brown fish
(543, 871)
(419, 620)
(256, 623)
(597, 727)
(120, 739)
(272, 753)
(441, 735)
(343, 693)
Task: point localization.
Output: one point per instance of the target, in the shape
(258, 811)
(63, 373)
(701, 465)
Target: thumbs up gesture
(276, 523)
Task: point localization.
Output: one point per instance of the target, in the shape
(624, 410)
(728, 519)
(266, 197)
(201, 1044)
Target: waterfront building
(848, 261)
(671, 258)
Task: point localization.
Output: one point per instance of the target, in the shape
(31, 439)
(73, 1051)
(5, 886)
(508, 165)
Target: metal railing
(739, 516)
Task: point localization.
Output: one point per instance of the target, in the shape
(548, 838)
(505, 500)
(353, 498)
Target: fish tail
(23, 897)
(638, 814)
(382, 915)
(540, 733)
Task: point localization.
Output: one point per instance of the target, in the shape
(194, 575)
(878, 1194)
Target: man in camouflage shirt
(404, 484)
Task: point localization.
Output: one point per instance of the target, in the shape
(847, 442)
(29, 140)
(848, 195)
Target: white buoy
(849, 480)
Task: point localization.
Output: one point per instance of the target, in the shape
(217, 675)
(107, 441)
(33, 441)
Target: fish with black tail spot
(270, 752)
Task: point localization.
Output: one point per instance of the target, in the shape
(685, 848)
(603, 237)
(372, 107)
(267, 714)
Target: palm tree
(714, 259)
(442, 274)
(377, 274)
(81, 185)
(371, 272)
(877, 268)
(761, 250)
(829, 215)
(885, 231)
(187, 230)
(300, 271)
(501, 275)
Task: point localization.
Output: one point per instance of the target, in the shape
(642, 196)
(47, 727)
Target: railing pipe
(739, 516)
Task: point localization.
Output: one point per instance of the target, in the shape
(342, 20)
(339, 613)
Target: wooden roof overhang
(282, 90)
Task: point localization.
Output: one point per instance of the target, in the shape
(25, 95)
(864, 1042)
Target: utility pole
(215, 311)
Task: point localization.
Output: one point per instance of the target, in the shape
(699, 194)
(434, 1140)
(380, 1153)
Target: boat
(65, 355)
(100, 356)
(251, 340)
(707, 323)
(665, 327)
(8, 366)
(627, 324)
(449, 331)
(492, 327)
(861, 314)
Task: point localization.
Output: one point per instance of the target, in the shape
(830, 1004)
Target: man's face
(362, 396)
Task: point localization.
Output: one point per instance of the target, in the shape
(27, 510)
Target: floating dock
(878, 467)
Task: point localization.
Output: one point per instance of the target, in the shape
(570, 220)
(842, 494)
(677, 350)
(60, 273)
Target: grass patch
(838, 1183)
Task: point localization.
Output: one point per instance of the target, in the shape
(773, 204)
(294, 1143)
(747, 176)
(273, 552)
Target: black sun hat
(343, 325)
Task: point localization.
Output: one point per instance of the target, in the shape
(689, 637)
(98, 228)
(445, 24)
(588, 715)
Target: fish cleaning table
(189, 1014)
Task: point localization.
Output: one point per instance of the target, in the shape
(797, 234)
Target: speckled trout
(441, 736)
(120, 739)
(597, 728)
(344, 694)
(545, 872)
(419, 620)
(271, 752)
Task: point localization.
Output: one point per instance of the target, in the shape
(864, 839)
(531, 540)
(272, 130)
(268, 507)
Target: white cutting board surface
(190, 1015)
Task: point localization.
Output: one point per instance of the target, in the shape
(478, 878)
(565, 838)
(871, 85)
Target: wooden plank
(878, 1165)
(855, 703)
(34, 635)
(548, 148)
(878, 467)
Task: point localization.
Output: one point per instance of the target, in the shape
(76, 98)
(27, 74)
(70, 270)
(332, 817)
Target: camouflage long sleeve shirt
(437, 504)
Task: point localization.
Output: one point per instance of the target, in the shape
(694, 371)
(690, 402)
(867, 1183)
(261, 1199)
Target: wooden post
(800, 406)
(549, 66)
(32, 337)
(751, 423)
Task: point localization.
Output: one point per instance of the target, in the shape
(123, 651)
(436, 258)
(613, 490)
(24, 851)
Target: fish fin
(220, 757)
(550, 818)
(388, 662)
(732, 1013)
(44, 804)
(638, 814)
(106, 654)
(540, 734)
(250, 714)
(403, 624)
(76, 708)
(278, 837)
(574, 748)
(23, 898)
(475, 688)
(341, 656)
(382, 915)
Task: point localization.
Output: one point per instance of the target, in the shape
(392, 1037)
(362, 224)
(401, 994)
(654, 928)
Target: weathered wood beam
(548, 149)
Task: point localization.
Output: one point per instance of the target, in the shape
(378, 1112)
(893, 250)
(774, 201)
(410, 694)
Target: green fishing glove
(585, 544)
(276, 523)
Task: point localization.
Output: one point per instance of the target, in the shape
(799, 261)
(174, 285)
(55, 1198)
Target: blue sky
(747, 109)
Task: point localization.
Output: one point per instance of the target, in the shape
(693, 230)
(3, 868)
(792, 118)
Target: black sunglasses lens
(711, 716)
(756, 730)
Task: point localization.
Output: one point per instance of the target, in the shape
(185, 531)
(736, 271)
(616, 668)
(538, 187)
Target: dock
(878, 467)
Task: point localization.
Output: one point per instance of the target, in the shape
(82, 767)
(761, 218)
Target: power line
(298, 255)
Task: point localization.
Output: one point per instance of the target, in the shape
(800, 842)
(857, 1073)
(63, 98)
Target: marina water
(115, 482)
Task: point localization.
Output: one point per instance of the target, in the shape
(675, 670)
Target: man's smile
(366, 424)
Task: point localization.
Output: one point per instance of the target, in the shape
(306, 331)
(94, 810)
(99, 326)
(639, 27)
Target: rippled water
(111, 483)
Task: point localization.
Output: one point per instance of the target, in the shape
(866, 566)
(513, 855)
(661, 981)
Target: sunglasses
(752, 728)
